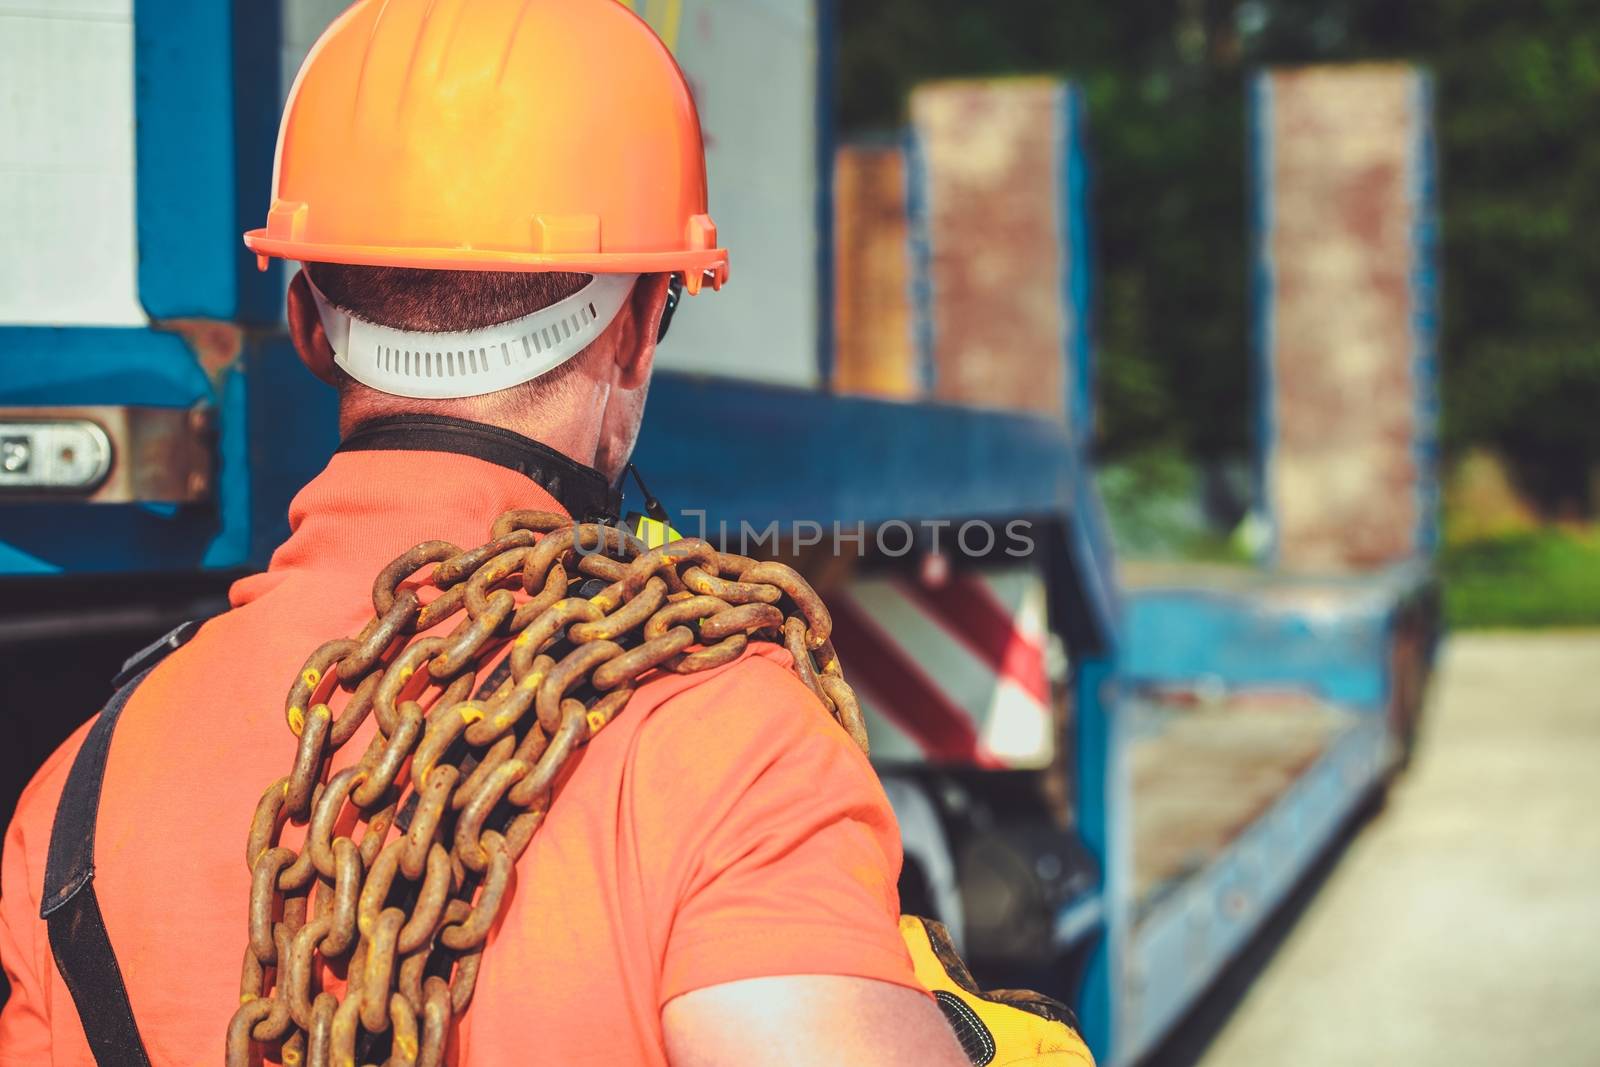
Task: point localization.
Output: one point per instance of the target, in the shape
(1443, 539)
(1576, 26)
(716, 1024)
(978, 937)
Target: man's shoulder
(757, 696)
(754, 717)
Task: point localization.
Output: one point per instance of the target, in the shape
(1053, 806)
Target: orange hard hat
(493, 135)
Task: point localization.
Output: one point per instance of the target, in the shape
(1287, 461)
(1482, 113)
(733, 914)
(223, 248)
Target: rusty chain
(409, 853)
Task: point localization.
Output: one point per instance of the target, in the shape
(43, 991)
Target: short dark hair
(436, 301)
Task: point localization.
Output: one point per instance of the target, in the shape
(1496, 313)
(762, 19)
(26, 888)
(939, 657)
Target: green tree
(1518, 95)
(1168, 211)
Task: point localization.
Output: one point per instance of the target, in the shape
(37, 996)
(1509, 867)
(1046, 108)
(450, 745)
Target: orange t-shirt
(722, 828)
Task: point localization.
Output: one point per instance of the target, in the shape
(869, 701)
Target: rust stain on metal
(1344, 475)
(991, 158)
(873, 350)
(216, 345)
(158, 454)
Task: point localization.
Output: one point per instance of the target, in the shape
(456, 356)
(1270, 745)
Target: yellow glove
(1000, 1028)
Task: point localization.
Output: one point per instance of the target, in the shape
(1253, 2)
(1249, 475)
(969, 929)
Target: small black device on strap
(78, 938)
(674, 295)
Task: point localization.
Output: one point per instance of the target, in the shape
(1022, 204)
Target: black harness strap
(582, 490)
(78, 936)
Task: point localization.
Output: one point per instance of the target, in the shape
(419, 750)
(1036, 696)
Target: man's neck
(584, 492)
(574, 437)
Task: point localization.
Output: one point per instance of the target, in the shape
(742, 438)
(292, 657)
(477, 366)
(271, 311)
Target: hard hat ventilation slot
(458, 364)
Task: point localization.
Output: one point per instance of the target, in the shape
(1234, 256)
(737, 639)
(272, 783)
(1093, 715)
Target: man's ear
(305, 330)
(636, 353)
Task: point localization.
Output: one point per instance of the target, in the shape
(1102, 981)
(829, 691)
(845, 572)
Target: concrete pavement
(1461, 925)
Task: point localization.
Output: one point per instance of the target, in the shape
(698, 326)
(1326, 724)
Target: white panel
(115, 10)
(1012, 723)
(753, 67)
(67, 236)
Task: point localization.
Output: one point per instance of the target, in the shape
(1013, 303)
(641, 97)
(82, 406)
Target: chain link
(455, 783)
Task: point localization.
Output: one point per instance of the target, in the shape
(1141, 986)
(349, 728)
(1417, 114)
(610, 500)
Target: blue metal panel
(1177, 636)
(768, 454)
(203, 135)
(1261, 298)
(1102, 813)
(294, 428)
(234, 483)
(1077, 276)
(72, 365)
(257, 103)
(921, 252)
(183, 75)
(49, 538)
(1425, 310)
(1092, 530)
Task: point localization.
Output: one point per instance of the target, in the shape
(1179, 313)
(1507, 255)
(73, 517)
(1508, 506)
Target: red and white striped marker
(953, 673)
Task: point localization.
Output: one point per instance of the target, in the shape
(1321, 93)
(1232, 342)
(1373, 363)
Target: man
(491, 198)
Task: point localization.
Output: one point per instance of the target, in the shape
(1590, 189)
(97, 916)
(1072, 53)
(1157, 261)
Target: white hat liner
(442, 366)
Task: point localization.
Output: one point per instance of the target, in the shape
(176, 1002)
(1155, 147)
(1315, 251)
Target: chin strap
(443, 366)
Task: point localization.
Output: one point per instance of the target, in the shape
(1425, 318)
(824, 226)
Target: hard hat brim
(696, 266)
